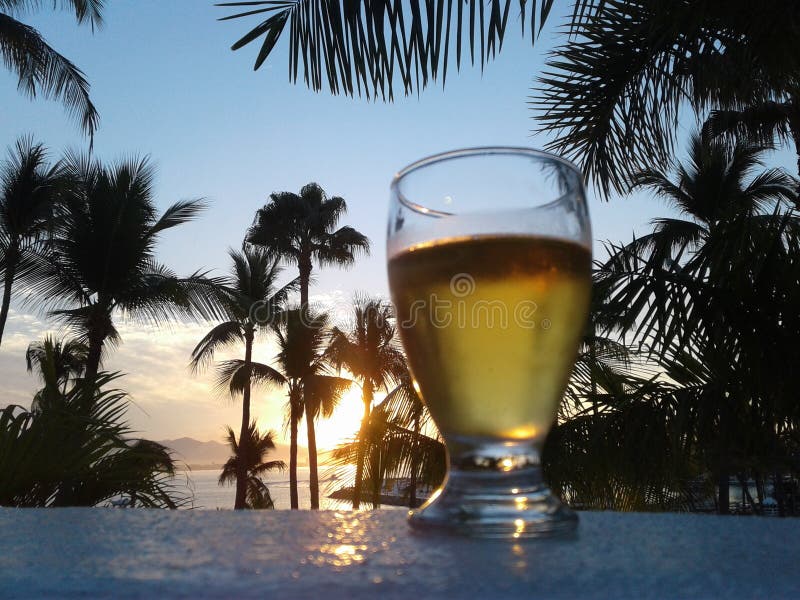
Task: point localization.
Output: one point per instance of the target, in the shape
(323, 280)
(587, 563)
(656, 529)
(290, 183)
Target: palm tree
(703, 292)
(251, 302)
(28, 194)
(301, 230)
(370, 352)
(253, 451)
(79, 451)
(42, 70)
(399, 443)
(312, 390)
(365, 44)
(57, 362)
(100, 261)
(404, 408)
(762, 123)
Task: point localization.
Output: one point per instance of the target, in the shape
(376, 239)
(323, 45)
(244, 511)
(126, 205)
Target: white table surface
(79, 553)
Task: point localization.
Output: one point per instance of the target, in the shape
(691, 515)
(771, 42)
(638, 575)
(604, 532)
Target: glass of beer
(489, 259)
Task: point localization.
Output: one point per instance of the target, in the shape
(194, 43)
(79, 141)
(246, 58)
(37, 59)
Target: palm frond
(42, 70)
(369, 47)
(613, 92)
(178, 214)
(233, 376)
(762, 123)
(86, 11)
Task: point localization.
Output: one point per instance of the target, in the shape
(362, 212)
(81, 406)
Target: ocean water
(208, 495)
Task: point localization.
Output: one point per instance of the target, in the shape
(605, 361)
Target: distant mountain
(196, 453)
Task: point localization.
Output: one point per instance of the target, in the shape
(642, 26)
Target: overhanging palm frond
(364, 47)
(86, 11)
(761, 123)
(612, 94)
(42, 70)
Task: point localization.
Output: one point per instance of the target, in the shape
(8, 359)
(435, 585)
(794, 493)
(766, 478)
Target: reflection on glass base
(496, 491)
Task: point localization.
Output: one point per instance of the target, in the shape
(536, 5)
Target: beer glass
(489, 260)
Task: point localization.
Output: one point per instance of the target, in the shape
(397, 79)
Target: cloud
(168, 401)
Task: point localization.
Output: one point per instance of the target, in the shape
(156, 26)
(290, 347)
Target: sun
(343, 424)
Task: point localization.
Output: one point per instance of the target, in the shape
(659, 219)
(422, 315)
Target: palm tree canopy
(250, 299)
(257, 446)
(302, 227)
(403, 406)
(97, 458)
(28, 190)
(39, 67)
(612, 93)
(718, 181)
(101, 257)
(56, 360)
(670, 282)
(368, 348)
(302, 340)
(360, 47)
(260, 444)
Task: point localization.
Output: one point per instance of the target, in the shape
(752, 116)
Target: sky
(168, 86)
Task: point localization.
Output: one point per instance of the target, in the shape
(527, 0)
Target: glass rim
(468, 152)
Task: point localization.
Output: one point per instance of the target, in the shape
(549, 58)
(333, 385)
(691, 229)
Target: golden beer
(491, 325)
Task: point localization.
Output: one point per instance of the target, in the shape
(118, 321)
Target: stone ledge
(68, 553)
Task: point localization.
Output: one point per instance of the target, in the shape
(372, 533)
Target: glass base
(495, 490)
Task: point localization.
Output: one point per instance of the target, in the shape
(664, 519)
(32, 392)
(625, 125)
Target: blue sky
(166, 84)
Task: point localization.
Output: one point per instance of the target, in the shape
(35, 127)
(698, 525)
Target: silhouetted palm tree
(252, 453)
(404, 408)
(79, 451)
(301, 230)
(368, 350)
(399, 443)
(251, 301)
(688, 290)
(57, 362)
(28, 195)
(42, 70)
(101, 257)
(312, 390)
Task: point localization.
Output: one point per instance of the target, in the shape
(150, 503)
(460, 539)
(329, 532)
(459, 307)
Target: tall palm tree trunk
(412, 488)
(99, 327)
(305, 265)
(95, 353)
(366, 396)
(293, 450)
(313, 483)
(244, 442)
(12, 257)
